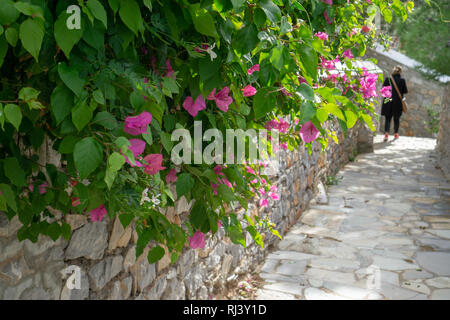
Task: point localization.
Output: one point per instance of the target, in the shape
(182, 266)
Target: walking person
(393, 108)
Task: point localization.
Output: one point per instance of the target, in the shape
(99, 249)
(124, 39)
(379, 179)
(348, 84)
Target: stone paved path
(384, 234)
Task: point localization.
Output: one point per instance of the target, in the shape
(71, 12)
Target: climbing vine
(105, 83)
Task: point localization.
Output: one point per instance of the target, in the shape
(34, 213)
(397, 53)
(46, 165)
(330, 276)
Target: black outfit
(393, 108)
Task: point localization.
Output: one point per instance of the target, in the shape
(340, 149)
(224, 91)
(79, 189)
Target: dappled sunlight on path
(384, 233)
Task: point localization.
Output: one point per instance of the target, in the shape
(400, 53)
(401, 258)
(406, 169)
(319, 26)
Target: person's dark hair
(397, 70)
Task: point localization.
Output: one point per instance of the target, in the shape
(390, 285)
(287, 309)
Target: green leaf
(68, 144)
(9, 196)
(3, 49)
(387, 14)
(306, 91)
(198, 215)
(66, 230)
(54, 231)
(98, 97)
(203, 21)
(307, 111)
(263, 102)
(12, 36)
(136, 100)
(308, 58)
(114, 4)
(2, 117)
(98, 11)
(14, 172)
(61, 103)
(105, 119)
(286, 27)
(335, 110)
(125, 219)
(184, 184)
(271, 10)
(13, 115)
(155, 254)
(8, 13)
(246, 39)
(351, 118)
(81, 115)
(29, 9)
(31, 33)
(87, 156)
(66, 38)
(259, 17)
(148, 4)
(131, 15)
(36, 137)
(71, 78)
(226, 193)
(166, 141)
(322, 115)
(26, 94)
(115, 162)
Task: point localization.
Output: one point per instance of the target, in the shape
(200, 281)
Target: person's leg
(396, 126)
(387, 126)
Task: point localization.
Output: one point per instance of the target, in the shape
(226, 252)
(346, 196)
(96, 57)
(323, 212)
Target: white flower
(212, 54)
(144, 196)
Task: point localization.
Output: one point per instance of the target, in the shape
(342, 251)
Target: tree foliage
(83, 89)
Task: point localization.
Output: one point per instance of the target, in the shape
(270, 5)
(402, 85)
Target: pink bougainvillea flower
(75, 201)
(170, 72)
(250, 170)
(214, 187)
(222, 99)
(249, 91)
(327, 18)
(137, 147)
(283, 126)
(262, 191)
(154, 163)
(218, 170)
(98, 213)
(330, 2)
(386, 92)
(309, 132)
(354, 31)
(284, 146)
(263, 202)
(263, 181)
(197, 241)
(287, 94)
(274, 188)
(194, 107)
(301, 80)
(219, 224)
(365, 29)
(274, 196)
(202, 48)
(321, 35)
(138, 124)
(253, 181)
(43, 188)
(296, 121)
(171, 176)
(347, 54)
(253, 69)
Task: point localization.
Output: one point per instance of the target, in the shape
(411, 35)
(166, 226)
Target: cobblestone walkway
(384, 233)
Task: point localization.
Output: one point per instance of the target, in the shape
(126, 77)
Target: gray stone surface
(436, 262)
(102, 272)
(76, 294)
(90, 241)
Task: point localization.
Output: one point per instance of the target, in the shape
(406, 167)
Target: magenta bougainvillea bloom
(197, 241)
(386, 92)
(170, 72)
(98, 213)
(321, 35)
(284, 146)
(263, 202)
(327, 18)
(365, 29)
(214, 187)
(137, 147)
(218, 170)
(221, 98)
(42, 187)
(249, 91)
(301, 80)
(330, 2)
(154, 163)
(253, 69)
(75, 201)
(347, 54)
(171, 176)
(274, 196)
(138, 124)
(308, 132)
(194, 107)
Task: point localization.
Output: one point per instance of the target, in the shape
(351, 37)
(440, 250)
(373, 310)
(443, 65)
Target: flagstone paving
(384, 233)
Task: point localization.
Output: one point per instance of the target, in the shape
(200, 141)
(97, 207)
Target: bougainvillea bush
(107, 95)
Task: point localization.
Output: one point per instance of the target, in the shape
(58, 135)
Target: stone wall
(443, 140)
(104, 253)
(422, 93)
